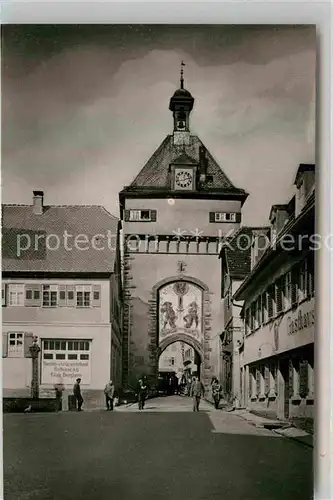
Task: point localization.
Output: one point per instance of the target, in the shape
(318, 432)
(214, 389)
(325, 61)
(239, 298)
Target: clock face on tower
(183, 179)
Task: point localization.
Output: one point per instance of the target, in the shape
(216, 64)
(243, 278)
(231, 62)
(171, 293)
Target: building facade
(279, 311)
(61, 284)
(174, 215)
(235, 258)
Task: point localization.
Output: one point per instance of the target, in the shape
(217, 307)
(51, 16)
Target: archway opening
(178, 362)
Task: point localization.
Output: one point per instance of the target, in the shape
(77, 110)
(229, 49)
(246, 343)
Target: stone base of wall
(16, 393)
(21, 405)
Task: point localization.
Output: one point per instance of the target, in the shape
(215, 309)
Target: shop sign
(65, 372)
(302, 321)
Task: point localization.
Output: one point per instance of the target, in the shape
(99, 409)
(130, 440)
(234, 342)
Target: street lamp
(34, 351)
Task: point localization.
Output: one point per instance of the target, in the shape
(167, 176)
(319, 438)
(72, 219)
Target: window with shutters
(83, 295)
(302, 286)
(270, 302)
(140, 215)
(225, 216)
(294, 285)
(50, 295)
(258, 311)
(252, 316)
(15, 344)
(279, 295)
(3, 294)
(310, 275)
(247, 322)
(287, 290)
(264, 315)
(16, 295)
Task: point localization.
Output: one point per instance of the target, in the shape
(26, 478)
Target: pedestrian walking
(77, 394)
(142, 393)
(109, 395)
(197, 390)
(216, 392)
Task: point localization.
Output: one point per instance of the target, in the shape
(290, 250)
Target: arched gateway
(175, 211)
(181, 308)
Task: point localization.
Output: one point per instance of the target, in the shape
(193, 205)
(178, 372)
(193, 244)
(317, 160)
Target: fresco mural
(180, 310)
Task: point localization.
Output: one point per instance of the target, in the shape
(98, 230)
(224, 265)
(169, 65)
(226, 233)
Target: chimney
(38, 197)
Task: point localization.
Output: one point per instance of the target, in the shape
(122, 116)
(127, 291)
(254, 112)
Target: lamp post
(34, 351)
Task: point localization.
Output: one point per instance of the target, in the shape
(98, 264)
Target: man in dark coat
(197, 390)
(142, 393)
(109, 395)
(77, 394)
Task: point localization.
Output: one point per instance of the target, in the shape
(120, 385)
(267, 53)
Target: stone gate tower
(174, 215)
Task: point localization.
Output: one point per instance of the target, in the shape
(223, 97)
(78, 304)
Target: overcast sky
(84, 107)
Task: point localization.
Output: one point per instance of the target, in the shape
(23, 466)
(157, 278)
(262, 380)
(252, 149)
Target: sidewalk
(277, 426)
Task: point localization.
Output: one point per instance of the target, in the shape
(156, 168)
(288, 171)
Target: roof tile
(62, 239)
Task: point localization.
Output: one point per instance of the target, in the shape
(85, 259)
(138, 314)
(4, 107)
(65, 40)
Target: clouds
(82, 120)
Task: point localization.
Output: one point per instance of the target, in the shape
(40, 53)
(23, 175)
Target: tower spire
(182, 75)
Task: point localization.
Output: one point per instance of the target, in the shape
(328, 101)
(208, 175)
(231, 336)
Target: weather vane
(182, 64)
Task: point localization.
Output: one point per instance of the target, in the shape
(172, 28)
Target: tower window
(225, 217)
(140, 215)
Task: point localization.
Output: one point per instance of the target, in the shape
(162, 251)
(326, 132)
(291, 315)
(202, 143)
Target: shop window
(311, 390)
(261, 383)
(303, 378)
(66, 349)
(294, 374)
(272, 380)
(258, 381)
